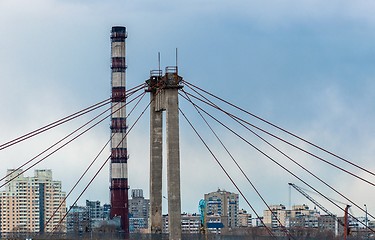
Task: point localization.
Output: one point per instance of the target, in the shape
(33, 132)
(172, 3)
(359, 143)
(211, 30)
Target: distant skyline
(307, 66)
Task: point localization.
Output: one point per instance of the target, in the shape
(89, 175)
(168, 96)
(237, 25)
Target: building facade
(302, 216)
(276, 216)
(139, 209)
(106, 210)
(328, 223)
(31, 204)
(96, 211)
(78, 220)
(298, 216)
(191, 223)
(244, 218)
(224, 204)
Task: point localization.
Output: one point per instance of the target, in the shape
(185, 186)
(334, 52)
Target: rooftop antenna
(159, 63)
(176, 62)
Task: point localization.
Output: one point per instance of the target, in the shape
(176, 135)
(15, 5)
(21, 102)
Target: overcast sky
(307, 66)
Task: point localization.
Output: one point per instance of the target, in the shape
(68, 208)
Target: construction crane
(204, 224)
(345, 224)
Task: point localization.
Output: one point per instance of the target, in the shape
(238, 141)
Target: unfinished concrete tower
(164, 97)
(119, 156)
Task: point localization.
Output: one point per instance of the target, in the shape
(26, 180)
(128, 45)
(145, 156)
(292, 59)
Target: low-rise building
(327, 223)
(191, 223)
(244, 219)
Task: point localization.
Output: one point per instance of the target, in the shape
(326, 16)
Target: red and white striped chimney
(119, 156)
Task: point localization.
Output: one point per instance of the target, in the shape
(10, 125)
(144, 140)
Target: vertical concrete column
(156, 166)
(173, 163)
(224, 217)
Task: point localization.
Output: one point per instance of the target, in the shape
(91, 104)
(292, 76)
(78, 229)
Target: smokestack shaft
(118, 165)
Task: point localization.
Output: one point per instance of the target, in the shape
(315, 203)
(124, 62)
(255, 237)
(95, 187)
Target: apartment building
(96, 211)
(31, 204)
(78, 219)
(224, 204)
(139, 208)
(298, 216)
(276, 217)
(244, 218)
(191, 223)
(302, 216)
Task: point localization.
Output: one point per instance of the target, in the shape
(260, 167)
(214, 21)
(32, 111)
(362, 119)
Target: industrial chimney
(118, 165)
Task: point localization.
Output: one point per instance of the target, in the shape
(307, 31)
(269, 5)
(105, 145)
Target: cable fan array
(219, 117)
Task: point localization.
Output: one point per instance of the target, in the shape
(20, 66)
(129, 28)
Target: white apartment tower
(28, 203)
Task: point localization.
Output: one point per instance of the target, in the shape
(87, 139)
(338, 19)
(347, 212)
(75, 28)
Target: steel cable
(280, 164)
(281, 129)
(64, 120)
(238, 166)
(48, 155)
(224, 170)
(84, 173)
(92, 179)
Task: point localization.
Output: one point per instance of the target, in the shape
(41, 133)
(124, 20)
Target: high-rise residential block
(224, 204)
(28, 203)
(139, 211)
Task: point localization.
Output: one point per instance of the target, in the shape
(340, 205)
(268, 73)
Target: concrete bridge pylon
(164, 98)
